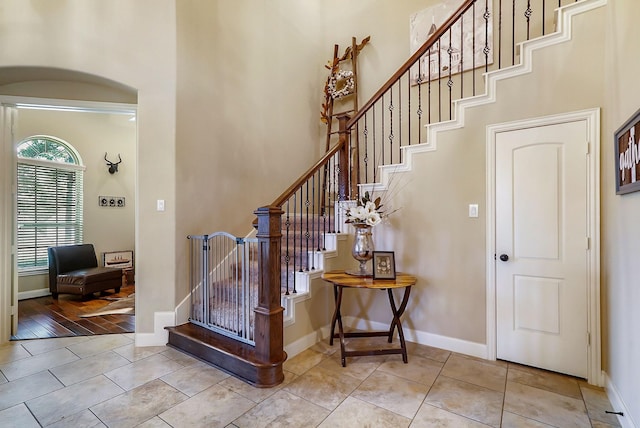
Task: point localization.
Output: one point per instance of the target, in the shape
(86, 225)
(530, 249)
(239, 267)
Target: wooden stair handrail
(411, 61)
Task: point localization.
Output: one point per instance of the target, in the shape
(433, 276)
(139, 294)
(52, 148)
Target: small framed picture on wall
(384, 265)
(119, 259)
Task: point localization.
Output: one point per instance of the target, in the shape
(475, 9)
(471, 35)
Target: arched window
(49, 199)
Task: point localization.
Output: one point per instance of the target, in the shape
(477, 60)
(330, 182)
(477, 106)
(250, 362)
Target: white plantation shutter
(49, 209)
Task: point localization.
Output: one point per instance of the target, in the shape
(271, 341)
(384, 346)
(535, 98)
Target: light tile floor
(102, 381)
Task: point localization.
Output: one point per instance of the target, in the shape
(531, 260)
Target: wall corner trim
(160, 336)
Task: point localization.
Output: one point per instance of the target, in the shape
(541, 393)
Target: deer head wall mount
(113, 166)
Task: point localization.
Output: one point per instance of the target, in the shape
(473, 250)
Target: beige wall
(92, 134)
(620, 226)
(133, 44)
(247, 111)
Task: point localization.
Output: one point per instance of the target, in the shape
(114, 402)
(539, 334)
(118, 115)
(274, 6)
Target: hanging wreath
(341, 84)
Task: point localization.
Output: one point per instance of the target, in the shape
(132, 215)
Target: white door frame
(592, 157)
(8, 303)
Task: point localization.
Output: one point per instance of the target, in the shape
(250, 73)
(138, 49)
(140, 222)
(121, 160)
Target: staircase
(398, 122)
(219, 335)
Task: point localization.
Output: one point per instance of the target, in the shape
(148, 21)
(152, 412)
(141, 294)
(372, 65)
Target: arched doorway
(98, 115)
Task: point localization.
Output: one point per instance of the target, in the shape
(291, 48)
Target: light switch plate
(473, 210)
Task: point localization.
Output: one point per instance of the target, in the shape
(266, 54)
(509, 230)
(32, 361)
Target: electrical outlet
(120, 201)
(103, 201)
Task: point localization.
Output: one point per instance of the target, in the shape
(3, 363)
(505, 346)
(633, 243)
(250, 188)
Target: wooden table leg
(336, 314)
(395, 322)
(340, 328)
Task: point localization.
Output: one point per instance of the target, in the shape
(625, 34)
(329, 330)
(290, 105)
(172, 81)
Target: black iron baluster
(527, 15)
(314, 215)
(513, 32)
(318, 215)
(287, 257)
(450, 80)
(332, 199)
(409, 105)
(366, 149)
(298, 251)
(473, 49)
(430, 78)
(391, 125)
(295, 240)
(487, 48)
(419, 111)
(499, 34)
(337, 178)
(461, 63)
(400, 118)
(373, 167)
(440, 79)
(382, 130)
(305, 257)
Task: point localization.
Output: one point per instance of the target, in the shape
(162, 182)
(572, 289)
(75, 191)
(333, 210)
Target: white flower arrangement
(367, 212)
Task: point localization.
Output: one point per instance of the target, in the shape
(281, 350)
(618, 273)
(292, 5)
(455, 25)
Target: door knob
(504, 257)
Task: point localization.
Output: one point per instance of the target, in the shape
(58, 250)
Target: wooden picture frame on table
(384, 265)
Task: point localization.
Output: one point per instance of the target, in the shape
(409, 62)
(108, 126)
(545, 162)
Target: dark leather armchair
(74, 269)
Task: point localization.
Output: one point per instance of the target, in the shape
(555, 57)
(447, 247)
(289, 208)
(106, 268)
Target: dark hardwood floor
(45, 317)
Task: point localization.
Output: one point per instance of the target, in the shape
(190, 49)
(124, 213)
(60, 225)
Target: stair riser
(219, 351)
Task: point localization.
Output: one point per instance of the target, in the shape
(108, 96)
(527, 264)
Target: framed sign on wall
(627, 156)
(119, 259)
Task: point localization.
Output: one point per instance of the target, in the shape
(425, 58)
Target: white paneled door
(541, 247)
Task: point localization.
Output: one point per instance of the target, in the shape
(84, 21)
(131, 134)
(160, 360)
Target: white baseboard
(305, 342)
(618, 404)
(32, 294)
(424, 338)
(160, 336)
(429, 339)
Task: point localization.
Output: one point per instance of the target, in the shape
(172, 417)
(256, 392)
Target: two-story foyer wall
(92, 134)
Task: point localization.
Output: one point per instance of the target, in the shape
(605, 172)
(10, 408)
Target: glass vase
(362, 249)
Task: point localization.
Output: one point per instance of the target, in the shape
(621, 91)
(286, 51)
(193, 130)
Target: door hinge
(588, 339)
(13, 311)
(588, 243)
(588, 147)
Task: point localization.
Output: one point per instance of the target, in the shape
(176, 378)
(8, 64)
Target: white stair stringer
(304, 279)
(562, 34)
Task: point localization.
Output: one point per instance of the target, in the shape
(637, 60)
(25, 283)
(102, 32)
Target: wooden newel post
(343, 174)
(268, 328)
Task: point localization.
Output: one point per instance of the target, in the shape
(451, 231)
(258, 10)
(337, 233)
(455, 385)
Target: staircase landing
(236, 358)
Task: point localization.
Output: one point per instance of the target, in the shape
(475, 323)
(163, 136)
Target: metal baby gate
(224, 284)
